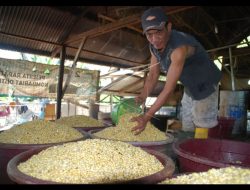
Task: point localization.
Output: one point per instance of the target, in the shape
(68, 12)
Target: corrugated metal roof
(44, 29)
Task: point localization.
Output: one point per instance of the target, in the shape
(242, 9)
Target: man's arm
(178, 57)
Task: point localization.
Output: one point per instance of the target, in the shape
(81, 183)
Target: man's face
(158, 38)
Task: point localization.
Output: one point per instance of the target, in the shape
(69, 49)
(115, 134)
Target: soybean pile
(227, 175)
(93, 161)
(39, 132)
(80, 121)
(123, 131)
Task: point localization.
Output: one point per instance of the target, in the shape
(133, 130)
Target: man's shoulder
(177, 33)
(179, 38)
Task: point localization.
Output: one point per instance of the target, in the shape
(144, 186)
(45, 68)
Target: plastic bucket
(8, 151)
(223, 130)
(21, 178)
(125, 106)
(197, 155)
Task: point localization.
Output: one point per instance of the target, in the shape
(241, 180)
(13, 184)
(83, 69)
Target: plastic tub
(223, 130)
(197, 155)
(8, 151)
(21, 178)
(160, 146)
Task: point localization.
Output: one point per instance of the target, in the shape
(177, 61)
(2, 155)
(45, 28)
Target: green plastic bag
(125, 106)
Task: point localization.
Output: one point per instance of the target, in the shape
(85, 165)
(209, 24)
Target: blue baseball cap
(153, 18)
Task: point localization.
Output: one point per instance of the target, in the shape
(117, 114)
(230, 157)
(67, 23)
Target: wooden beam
(72, 70)
(212, 26)
(170, 11)
(235, 52)
(175, 9)
(113, 20)
(124, 22)
(60, 84)
(106, 28)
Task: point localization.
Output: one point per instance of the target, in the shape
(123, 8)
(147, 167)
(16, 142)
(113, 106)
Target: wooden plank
(106, 28)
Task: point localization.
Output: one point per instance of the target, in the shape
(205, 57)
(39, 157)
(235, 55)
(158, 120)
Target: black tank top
(200, 75)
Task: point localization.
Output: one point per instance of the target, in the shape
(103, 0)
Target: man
(182, 58)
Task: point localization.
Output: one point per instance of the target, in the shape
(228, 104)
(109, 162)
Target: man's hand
(142, 122)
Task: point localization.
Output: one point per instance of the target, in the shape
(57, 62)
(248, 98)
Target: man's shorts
(201, 113)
